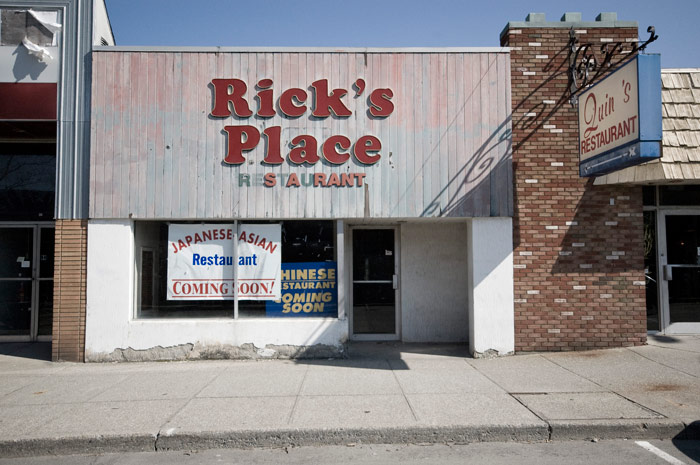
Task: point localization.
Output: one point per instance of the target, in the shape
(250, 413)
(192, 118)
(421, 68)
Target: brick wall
(70, 277)
(578, 258)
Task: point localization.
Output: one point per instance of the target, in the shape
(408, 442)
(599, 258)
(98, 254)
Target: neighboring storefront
(44, 121)
(671, 190)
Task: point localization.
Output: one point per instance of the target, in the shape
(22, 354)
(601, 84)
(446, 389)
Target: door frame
(396, 336)
(662, 259)
(36, 227)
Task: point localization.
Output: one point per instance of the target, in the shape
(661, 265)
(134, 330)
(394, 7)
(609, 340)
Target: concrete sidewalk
(384, 393)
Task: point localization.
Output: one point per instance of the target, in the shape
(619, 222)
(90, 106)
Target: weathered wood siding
(157, 153)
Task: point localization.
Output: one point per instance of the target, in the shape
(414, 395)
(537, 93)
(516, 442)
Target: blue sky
(385, 23)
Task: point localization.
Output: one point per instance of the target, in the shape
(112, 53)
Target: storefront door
(375, 281)
(679, 247)
(26, 282)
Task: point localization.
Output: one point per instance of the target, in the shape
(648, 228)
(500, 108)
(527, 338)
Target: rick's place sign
(619, 118)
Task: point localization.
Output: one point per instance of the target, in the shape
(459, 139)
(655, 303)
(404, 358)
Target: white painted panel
(109, 284)
(490, 285)
(16, 65)
(434, 298)
(110, 304)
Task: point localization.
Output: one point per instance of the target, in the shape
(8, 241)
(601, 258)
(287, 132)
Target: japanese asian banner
(259, 261)
(201, 261)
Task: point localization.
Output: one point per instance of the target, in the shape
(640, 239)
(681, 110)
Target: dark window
(681, 195)
(27, 181)
(649, 196)
(302, 242)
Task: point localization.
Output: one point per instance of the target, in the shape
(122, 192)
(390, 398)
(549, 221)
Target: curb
(618, 429)
(77, 445)
(554, 431)
(327, 437)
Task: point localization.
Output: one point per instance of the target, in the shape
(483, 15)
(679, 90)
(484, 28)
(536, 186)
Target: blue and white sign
(308, 290)
(619, 118)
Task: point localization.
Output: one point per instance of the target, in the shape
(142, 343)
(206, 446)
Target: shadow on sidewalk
(664, 339)
(389, 355)
(32, 350)
(686, 441)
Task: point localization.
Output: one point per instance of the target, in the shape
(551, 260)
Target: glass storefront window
(308, 275)
(649, 196)
(651, 271)
(27, 181)
(681, 195)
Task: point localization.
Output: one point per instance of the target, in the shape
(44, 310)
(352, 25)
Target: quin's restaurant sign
(304, 149)
(619, 118)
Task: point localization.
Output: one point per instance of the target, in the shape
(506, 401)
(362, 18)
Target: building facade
(262, 203)
(44, 135)
(371, 164)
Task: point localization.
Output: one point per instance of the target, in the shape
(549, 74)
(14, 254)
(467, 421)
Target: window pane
(650, 271)
(15, 307)
(679, 195)
(45, 307)
(18, 24)
(27, 181)
(308, 255)
(373, 308)
(16, 252)
(649, 196)
(151, 241)
(308, 281)
(684, 295)
(46, 252)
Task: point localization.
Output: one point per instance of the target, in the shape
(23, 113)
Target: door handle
(668, 272)
(395, 281)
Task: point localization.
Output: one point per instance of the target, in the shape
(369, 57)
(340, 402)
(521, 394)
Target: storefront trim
(178, 49)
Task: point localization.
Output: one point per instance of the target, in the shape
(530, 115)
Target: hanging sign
(619, 118)
(201, 261)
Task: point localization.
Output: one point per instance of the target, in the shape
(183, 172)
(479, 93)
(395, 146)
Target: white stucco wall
(110, 308)
(434, 298)
(492, 313)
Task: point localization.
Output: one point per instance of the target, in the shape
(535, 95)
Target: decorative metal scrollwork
(585, 68)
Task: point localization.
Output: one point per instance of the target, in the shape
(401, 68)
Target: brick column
(578, 248)
(70, 279)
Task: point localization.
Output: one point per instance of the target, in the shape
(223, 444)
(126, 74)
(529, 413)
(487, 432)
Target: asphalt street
(619, 452)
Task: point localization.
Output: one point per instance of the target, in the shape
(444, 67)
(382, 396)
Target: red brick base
(70, 278)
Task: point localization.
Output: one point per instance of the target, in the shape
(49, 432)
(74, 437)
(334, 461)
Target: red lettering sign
(230, 98)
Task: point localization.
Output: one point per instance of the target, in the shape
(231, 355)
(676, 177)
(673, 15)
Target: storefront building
(375, 177)
(671, 208)
(261, 203)
(44, 150)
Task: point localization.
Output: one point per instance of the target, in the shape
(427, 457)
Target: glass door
(679, 244)
(374, 284)
(16, 260)
(26, 282)
(44, 283)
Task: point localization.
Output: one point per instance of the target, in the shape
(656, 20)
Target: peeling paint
(491, 353)
(199, 351)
